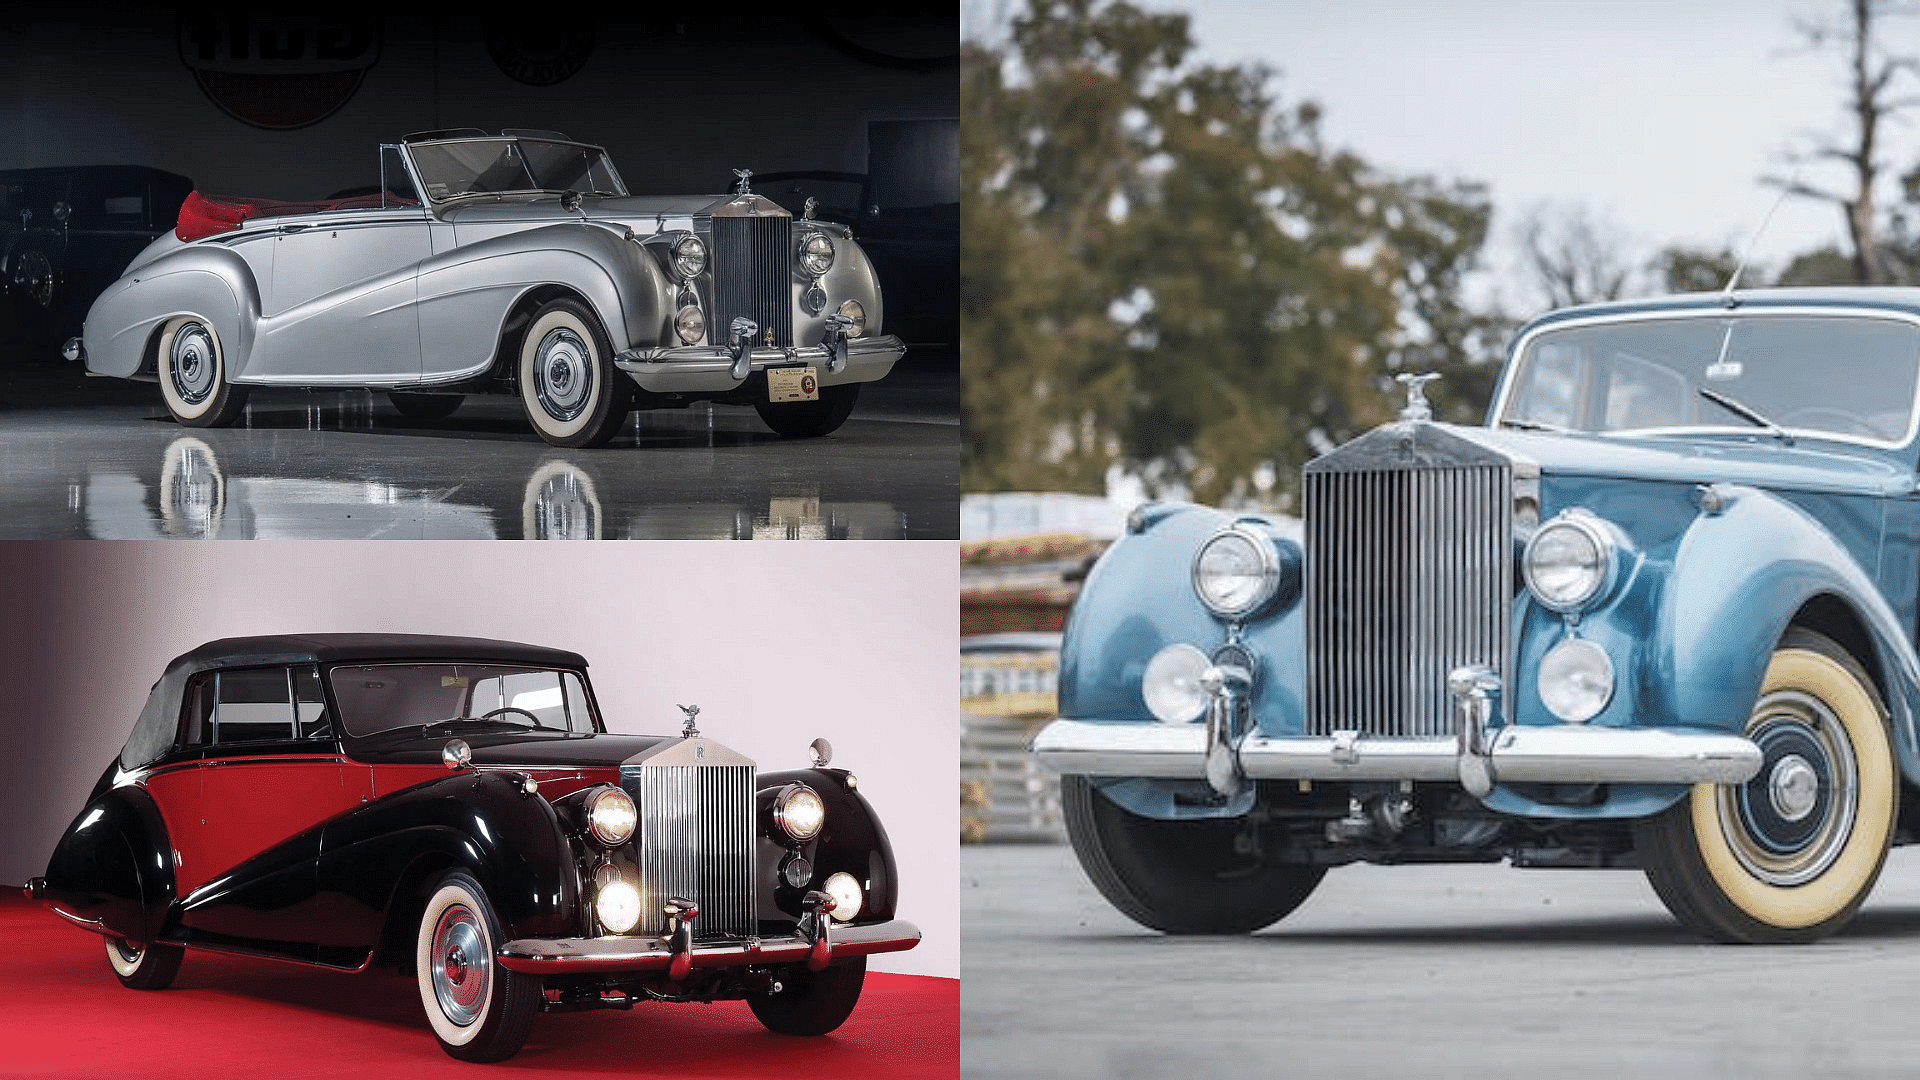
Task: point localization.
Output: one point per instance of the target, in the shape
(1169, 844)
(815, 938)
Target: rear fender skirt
(113, 868)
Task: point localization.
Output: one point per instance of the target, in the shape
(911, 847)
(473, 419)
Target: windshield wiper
(1746, 413)
(1535, 425)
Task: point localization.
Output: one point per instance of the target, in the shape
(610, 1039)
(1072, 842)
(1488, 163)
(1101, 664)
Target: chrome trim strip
(707, 368)
(1562, 754)
(560, 955)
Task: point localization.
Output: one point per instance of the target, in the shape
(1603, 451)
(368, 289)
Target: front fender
(1738, 579)
(1139, 598)
(512, 843)
(851, 841)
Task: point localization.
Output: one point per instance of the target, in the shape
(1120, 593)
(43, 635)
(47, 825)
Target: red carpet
(66, 1016)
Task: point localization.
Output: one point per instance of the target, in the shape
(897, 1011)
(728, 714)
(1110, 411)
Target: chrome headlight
(1171, 685)
(846, 896)
(690, 324)
(1570, 562)
(852, 310)
(1237, 572)
(799, 812)
(611, 815)
(689, 257)
(1576, 680)
(816, 254)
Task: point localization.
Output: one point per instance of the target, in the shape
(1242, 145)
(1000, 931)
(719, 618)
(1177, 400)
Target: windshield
(380, 697)
(1845, 377)
(454, 167)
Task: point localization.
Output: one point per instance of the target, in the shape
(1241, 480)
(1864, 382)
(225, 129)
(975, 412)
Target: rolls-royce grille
(696, 841)
(752, 257)
(1409, 575)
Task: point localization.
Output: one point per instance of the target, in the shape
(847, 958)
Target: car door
(271, 773)
(341, 307)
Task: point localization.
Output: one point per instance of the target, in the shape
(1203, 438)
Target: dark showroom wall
(679, 99)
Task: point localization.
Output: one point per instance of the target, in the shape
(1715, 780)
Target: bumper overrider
(562, 956)
(718, 368)
(1483, 752)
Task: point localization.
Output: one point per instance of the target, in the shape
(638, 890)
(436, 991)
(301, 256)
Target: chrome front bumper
(562, 956)
(707, 368)
(1560, 754)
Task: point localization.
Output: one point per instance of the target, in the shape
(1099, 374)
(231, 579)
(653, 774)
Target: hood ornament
(692, 711)
(806, 213)
(745, 175)
(1418, 407)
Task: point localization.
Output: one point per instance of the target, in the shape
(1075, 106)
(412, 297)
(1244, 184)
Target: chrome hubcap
(1794, 787)
(192, 363)
(1790, 823)
(462, 965)
(563, 374)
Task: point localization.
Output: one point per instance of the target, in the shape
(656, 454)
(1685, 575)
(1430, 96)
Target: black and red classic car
(455, 807)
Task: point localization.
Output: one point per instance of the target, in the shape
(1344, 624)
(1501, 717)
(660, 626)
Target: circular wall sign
(278, 71)
(539, 55)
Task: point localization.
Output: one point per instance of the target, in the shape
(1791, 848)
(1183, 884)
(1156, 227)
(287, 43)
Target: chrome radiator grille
(751, 257)
(696, 841)
(1409, 575)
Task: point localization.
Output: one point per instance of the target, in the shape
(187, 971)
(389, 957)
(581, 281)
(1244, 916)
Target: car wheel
(479, 1010)
(33, 278)
(1183, 877)
(573, 394)
(143, 967)
(1789, 855)
(812, 1002)
(425, 406)
(193, 375)
(806, 419)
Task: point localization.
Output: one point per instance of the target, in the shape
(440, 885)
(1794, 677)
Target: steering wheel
(512, 708)
(1827, 418)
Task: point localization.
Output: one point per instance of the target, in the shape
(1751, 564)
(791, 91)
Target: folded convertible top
(206, 215)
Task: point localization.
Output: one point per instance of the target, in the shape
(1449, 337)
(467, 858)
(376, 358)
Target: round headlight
(816, 254)
(852, 310)
(1569, 562)
(799, 812)
(1172, 684)
(690, 324)
(689, 257)
(618, 905)
(846, 896)
(611, 816)
(1236, 572)
(1576, 680)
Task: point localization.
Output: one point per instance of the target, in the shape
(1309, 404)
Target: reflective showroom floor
(100, 458)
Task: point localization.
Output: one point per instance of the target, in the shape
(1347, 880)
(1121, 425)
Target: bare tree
(1874, 81)
(1576, 256)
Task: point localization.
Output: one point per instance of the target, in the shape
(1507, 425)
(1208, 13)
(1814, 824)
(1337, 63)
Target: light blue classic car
(1659, 613)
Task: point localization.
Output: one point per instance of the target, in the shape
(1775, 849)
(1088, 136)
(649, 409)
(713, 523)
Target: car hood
(623, 209)
(1809, 464)
(507, 748)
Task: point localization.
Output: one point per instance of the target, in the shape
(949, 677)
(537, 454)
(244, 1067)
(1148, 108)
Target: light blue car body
(1823, 533)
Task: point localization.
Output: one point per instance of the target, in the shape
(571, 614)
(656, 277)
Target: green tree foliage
(1166, 272)
(1687, 269)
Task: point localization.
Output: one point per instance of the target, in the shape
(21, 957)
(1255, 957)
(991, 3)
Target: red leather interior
(206, 215)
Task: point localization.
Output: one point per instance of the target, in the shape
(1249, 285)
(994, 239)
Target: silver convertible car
(514, 263)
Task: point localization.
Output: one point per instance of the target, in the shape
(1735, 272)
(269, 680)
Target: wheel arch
(519, 314)
(112, 869)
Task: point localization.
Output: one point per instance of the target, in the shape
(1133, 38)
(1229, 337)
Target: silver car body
(420, 296)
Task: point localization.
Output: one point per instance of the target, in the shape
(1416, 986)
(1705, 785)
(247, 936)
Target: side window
(579, 713)
(395, 181)
(275, 704)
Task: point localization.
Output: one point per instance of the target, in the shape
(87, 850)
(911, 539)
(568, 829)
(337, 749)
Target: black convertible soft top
(153, 733)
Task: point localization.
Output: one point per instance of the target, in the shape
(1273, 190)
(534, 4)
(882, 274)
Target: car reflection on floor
(196, 498)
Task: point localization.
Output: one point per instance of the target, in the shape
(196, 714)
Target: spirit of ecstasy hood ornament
(1417, 405)
(744, 175)
(692, 711)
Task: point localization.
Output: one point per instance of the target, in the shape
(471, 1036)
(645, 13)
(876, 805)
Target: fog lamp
(846, 896)
(618, 906)
(690, 324)
(1171, 685)
(852, 310)
(1576, 680)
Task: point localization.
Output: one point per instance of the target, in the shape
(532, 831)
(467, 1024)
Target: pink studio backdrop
(777, 644)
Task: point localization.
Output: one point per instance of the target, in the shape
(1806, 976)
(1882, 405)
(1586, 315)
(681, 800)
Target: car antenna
(1733, 280)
